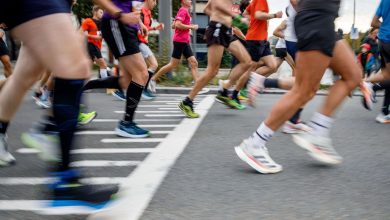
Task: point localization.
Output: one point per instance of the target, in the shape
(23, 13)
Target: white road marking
(137, 191)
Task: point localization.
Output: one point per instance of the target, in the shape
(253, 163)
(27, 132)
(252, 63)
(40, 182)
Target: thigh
(214, 61)
(133, 64)
(239, 51)
(343, 61)
(49, 48)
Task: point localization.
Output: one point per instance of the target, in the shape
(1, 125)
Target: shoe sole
(89, 121)
(381, 121)
(311, 150)
(31, 143)
(118, 97)
(42, 105)
(121, 133)
(227, 104)
(250, 161)
(184, 112)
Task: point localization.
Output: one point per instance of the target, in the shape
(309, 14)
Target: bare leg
(270, 66)
(7, 65)
(167, 68)
(194, 67)
(381, 76)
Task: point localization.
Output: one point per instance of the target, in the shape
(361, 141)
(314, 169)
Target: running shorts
(180, 48)
(281, 52)
(315, 31)
(16, 12)
(219, 34)
(384, 50)
(258, 49)
(145, 50)
(3, 48)
(121, 39)
(94, 51)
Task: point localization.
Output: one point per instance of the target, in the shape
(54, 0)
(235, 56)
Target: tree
(83, 9)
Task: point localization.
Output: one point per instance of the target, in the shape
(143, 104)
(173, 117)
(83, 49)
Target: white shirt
(280, 44)
(289, 32)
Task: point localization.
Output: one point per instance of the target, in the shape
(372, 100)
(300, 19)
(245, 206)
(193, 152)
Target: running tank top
(289, 32)
(281, 44)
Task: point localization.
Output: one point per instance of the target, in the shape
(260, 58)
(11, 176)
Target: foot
(152, 86)
(119, 95)
(45, 104)
(147, 96)
(368, 95)
(6, 158)
(383, 119)
(188, 110)
(238, 104)
(255, 86)
(257, 157)
(131, 130)
(47, 144)
(320, 148)
(86, 118)
(243, 96)
(291, 128)
(226, 100)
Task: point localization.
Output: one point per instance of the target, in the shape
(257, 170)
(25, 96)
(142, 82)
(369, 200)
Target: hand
(131, 18)
(160, 27)
(194, 27)
(144, 30)
(279, 14)
(245, 20)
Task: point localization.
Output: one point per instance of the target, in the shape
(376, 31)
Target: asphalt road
(208, 181)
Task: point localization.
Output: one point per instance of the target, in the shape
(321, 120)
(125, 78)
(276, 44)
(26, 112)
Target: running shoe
(243, 96)
(255, 86)
(146, 96)
(45, 104)
(152, 86)
(36, 96)
(291, 128)
(119, 95)
(47, 144)
(131, 130)
(86, 118)
(257, 157)
(6, 157)
(320, 148)
(383, 119)
(238, 104)
(188, 110)
(226, 100)
(368, 95)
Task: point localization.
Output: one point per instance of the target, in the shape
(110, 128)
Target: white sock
(103, 73)
(151, 71)
(262, 135)
(321, 124)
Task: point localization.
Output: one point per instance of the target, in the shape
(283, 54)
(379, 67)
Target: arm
(207, 9)
(239, 33)
(1, 34)
(260, 15)
(112, 9)
(179, 25)
(376, 23)
(279, 30)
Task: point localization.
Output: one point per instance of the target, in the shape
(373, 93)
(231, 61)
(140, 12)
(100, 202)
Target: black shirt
(328, 6)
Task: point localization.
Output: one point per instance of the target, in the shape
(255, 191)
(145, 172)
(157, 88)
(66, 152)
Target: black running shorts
(121, 39)
(94, 51)
(3, 48)
(180, 48)
(258, 49)
(281, 52)
(16, 12)
(219, 34)
(384, 50)
(315, 31)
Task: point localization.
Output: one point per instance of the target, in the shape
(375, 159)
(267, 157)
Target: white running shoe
(291, 128)
(45, 104)
(48, 145)
(255, 86)
(6, 157)
(152, 86)
(368, 95)
(383, 119)
(320, 148)
(257, 157)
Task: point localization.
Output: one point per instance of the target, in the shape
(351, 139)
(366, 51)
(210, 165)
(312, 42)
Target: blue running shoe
(131, 130)
(119, 95)
(147, 96)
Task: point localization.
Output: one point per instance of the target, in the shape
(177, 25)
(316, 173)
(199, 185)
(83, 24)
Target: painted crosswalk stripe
(104, 163)
(129, 140)
(168, 108)
(95, 151)
(113, 132)
(122, 112)
(139, 120)
(155, 106)
(47, 180)
(164, 115)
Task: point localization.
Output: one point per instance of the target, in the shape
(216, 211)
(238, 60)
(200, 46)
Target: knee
(247, 63)
(355, 79)
(304, 95)
(273, 66)
(193, 64)
(82, 68)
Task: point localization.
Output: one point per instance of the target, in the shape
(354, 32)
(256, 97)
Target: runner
(181, 44)
(218, 37)
(70, 67)
(147, 53)
(314, 21)
(4, 55)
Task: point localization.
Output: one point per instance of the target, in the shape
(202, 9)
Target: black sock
(66, 107)
(3, 127)
(133, 96)
(386, 102)
(224, 92)
(295, 118)
(151, 73)
(235, 94)
(188, 101)
(271, 83)
(111, 82)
